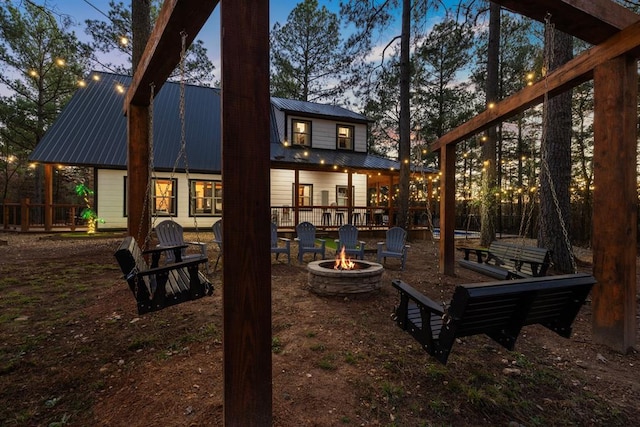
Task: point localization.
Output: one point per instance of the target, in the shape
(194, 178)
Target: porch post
(447, 209)
(246, 295)
(349, 198)
(48, 197)
(138, 173)
(296, 198)
(615, 203)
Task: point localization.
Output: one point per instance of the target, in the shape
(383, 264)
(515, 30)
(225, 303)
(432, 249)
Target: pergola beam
(593, 21)
(571, 74)
(176, 16)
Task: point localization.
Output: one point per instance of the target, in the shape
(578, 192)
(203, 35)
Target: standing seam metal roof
(92, 130)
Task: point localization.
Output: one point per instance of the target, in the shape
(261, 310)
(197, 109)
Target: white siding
(111, 193)
(282, 186)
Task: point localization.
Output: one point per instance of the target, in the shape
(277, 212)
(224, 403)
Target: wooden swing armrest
(171, 267)
(155, 253)
(420, 299)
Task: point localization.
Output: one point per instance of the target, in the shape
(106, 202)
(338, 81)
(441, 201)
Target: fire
(342, 262)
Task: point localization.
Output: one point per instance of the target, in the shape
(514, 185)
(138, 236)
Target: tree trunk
(141, 28)
(488, 206)
(405, 118)
(555, 174)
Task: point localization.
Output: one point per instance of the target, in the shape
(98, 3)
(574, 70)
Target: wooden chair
(498, 309)
(217, 239)
(306, 238)
(275, 248)
(170, 233)
(158, 287)
(348, 238)
(394, 246)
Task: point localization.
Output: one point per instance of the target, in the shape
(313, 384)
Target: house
(318, 152)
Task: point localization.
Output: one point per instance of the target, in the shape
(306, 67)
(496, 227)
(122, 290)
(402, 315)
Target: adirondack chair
(275, 248)
(395, 245)
(217, 239)
(170, 233)
(348, 238)
(307, 241)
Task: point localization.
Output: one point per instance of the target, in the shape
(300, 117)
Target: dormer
(319, 126)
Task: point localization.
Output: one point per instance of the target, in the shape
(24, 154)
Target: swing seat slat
(157, 287)
(505, 260)
(497, 309)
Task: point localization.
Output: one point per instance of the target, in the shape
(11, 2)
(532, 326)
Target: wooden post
(24, 214)
(138, 173)
(48, 197)
(447, 209)
(296, 197)
(246, 110)
(349, 219)
(615, 203)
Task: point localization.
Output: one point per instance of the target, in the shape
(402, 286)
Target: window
(345, 137)
(301, 132)
(163, 197)
(206, 198)
(305, 194)
(341, 195)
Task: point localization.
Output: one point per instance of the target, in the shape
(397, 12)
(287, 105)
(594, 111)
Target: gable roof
(92, 131)
(311, 109)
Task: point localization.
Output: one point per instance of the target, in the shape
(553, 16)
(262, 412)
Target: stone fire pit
(325, 280)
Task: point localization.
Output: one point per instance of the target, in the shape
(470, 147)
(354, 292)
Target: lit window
(206, 198)
(163, 197)
(305, 194)
(345, 137)
(301, 132)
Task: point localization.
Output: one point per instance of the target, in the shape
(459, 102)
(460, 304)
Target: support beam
(615, 203)
(593, 21)
(447, 209)
(138, 206)
(162, 53)
(48, 197)
(246, 234)
(574, 72)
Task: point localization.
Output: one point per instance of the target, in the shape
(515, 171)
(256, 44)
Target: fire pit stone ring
(325, 280)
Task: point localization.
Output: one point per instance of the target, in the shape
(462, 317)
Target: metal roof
(92, 131)
(319, 110)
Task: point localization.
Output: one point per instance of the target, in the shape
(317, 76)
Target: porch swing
(497, 309)
(180, 279)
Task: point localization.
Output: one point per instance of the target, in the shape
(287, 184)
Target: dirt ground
(73, 351)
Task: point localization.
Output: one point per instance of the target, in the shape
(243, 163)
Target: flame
(342, 262)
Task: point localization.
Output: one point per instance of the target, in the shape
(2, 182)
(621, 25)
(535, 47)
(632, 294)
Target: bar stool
(326, 218)
(355, 218)
(339, 218)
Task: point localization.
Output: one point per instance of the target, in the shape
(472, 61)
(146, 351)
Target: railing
(25, 215)
(332, 217)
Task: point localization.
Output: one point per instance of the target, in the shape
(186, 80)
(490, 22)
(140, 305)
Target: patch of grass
(310, 334)
(329, 244)
(276, 345)
(327, 363)
(351, 358)
(393, 393)
(318, 347)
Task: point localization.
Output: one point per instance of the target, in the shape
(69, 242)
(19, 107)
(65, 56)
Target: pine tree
(42, 63)
(307, 57)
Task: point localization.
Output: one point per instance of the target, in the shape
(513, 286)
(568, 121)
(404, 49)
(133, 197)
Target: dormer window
(344, 137)
(301, 132)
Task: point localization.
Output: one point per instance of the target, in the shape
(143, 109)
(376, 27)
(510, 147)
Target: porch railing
(25, 216)
(332, 217)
